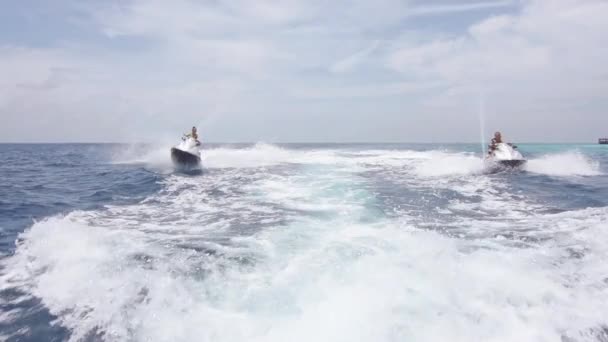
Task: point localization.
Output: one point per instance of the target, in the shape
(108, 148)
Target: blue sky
(295, 70)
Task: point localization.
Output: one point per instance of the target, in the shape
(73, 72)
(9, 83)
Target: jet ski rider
(495, 141)
(194, 135)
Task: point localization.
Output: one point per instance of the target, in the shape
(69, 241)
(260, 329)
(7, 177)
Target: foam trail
(158, 157)
(564, 164)
(154, 156)
(444, 164)
(309, 245)
(330, 280)
(261, 154)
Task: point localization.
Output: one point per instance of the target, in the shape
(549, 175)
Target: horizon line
(275, 142)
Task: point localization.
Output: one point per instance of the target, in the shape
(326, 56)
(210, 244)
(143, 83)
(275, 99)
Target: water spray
(481, 114)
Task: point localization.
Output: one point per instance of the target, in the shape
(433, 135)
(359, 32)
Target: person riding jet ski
(503, 154)
(187, 155)
(193, 134)
(494, 143)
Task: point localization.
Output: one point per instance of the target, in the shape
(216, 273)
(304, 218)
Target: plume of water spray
(481, 113)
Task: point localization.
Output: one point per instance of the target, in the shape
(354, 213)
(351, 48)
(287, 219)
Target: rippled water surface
(302, 243)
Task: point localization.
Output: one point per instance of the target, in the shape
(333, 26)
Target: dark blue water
(107, 242)
(40, 180)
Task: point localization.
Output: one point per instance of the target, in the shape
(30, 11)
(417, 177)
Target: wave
(564, 164)
(258, 155)
(430, 164)
(156, 157)
(319, 252)
(446, 164)
(315, 279)
(261, 154)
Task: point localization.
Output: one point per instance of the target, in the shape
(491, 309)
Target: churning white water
(272, 244)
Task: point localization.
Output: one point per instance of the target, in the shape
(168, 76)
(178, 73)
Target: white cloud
(351, 62)
(364, 91)
(218, 62)
(549, 49)
(457, 7)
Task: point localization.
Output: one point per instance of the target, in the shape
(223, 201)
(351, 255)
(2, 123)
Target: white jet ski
(505, 156)
(187, 155)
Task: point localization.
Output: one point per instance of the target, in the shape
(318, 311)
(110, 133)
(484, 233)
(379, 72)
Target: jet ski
(187, 155)
(505, 156)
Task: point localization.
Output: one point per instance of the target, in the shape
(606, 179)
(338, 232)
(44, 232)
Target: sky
(303, 70)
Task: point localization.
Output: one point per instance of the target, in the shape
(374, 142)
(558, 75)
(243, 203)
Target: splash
(303, 246)
(258, 155)
(446, 164)
(261, 154)
(314, 279)
(156, 157)
(482, 128)
(564, 164)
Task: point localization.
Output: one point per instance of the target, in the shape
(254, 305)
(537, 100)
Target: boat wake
(322, 244)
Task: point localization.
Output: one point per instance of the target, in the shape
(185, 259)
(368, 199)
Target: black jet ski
(514, 164)
(187, 155)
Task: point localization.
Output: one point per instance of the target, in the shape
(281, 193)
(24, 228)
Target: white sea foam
(258, 155)
(248, 252)
(445, 164)
(156, 157)
(564, 164)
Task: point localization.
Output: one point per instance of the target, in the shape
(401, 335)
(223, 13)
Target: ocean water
(376, 242)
